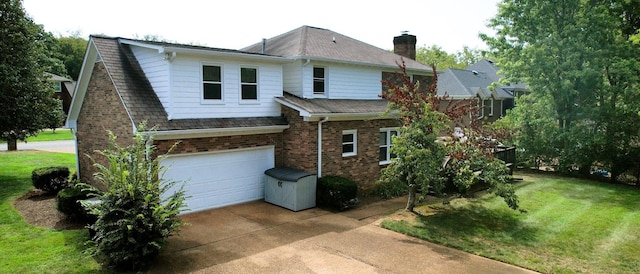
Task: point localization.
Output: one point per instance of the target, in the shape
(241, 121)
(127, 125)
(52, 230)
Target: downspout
(320, 145)
(75, 141)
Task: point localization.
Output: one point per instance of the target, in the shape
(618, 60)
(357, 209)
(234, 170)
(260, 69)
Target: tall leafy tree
(424, 163)
(71, 51)
(25, 96)
(435, 55)
(581, 53)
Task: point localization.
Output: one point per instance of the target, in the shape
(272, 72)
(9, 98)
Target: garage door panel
(220, 179)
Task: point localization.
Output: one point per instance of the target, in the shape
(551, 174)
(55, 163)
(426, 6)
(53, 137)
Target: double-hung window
(386, 136)
(349, 143)
(318, 80)
(57, 86)
(249, 83)
(211, 82)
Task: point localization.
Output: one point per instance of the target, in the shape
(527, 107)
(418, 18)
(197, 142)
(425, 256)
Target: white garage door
(221, 178)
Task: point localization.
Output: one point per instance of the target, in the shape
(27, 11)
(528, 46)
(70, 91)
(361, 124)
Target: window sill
(249, 102)
(384, 163)
(212, 102)
(349, 154)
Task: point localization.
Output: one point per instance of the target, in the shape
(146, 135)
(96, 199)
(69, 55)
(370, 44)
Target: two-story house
(477, 82)
(306, 99)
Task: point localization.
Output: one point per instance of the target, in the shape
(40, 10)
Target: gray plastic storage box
(290, 188)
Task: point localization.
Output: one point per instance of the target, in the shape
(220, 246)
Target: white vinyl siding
(341, 82)
(186, 90)
(156, 69)
(293, 78)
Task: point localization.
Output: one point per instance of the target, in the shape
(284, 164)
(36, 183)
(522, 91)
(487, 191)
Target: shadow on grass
(603, 194)
(474, 221)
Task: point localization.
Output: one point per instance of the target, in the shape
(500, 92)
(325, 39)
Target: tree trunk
(12, 145)
(411, 203)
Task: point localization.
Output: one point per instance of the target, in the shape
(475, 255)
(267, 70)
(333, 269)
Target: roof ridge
(303, 40)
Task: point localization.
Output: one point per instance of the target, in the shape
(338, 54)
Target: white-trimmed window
(386, 136)
(488, 104)
(57, 86)
(249, 84)
(319, 80)
(349, 143)
(211, 83)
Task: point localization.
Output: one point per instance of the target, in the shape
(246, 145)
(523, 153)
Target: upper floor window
(211, 82)
(349, 143)
(386, 134)
(318, 80)
(249, 83)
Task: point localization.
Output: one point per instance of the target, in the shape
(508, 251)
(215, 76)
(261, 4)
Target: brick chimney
(405, 45)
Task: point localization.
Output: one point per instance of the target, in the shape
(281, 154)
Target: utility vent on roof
(475, 72)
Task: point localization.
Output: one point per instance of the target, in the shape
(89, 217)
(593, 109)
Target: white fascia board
(213, 52)
(351, 116)
(142, 44)
(82, 84)
(303, 112)
(215, 132)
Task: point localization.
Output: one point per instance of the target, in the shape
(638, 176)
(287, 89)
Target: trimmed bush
(68, 202)
(50, 179)
(336, 192)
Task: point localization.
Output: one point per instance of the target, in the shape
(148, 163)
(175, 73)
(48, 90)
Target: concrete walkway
(67, 146)
(258, 237)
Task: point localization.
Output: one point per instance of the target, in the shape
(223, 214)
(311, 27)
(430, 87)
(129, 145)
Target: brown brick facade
(226, 143)
(102, 110)
(300, 142)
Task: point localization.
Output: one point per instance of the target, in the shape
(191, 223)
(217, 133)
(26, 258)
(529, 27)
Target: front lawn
(571, 226)
(28, 249)
(48, 135)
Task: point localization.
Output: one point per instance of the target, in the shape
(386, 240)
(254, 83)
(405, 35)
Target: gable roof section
(325, 45)
(338, 109)
(142, 104)
(474, 81)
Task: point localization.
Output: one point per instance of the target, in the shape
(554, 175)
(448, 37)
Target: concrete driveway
(258, 237)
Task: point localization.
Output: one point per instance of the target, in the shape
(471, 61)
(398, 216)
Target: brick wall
(102, 110)
(364, 168)
(225, 143)
(300, 147)
(300, 142)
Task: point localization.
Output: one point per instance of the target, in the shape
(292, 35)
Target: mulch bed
(39, 209)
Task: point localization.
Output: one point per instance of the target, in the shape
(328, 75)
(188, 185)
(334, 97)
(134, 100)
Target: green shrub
(389, 190)
(68, 202)
(138, 211)
(50, 179)
(336, 192)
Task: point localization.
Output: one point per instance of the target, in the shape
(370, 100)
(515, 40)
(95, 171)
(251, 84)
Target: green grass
(571, 226)
(49, 135)
(28, 249)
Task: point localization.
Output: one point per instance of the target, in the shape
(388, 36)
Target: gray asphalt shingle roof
(474, 81)
(323, 44)
(141, 101)
(336, 106)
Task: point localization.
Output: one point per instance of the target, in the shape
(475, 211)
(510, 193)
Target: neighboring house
(63, 90)
(475, 82)
(307, 99)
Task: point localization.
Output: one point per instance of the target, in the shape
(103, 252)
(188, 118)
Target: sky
(234, 24)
